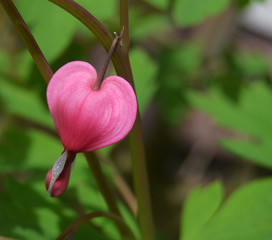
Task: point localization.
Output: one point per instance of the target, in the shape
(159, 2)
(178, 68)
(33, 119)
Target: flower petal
(85, 119)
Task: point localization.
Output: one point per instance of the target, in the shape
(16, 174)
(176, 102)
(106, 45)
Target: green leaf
(186, 58)
(26, 150)
(143, 26)
(35, 154)
(199, 209)
(260, 152)
(98, 9)
(24, 103)
(160, 4)
(87, 192)
(52, 27)
(252, 64)
(192, 12)
(28, 212)
(246, 215)
(242, 3)
(248, 116)
(4, 61)
(178, 67)
(25, 214)
(144, 72)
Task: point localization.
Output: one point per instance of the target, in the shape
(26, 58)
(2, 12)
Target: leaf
(192, 12)
(199, 208)
(98, 9)
(144, 72)
(186, 58)
(143, 26)
(252, 64)
(4, 60)
(52, 27)
(89, 195)
(246, 215)
(248, 116)
(26, 213)
(259, 152)
(160, 4)
(178, 68)
(24, 103)
(25, 150)
(35, 154)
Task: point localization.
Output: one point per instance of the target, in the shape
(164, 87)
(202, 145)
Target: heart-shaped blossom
(85, 117)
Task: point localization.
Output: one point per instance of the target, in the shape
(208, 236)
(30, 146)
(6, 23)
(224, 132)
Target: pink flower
(86, 119)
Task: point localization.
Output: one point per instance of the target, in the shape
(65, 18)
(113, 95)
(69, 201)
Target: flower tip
(57, 188)
(58, 176)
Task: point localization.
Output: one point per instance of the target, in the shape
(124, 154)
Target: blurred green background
(203, 81)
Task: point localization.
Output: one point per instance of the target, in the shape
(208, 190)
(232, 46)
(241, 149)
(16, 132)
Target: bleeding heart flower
(85, 117)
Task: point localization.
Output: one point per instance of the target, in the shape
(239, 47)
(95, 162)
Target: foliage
(244, 215)
(188, 12)
(249, 116)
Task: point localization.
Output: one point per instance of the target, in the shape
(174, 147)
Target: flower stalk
(137, 151)
(114, 44)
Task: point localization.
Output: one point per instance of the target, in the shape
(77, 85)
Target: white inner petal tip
(57, 170)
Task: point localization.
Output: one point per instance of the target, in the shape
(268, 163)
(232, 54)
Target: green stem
(74, 226)
(124, 23)
(141, 182)
(104, 187)
(137, 150)
(28, 39)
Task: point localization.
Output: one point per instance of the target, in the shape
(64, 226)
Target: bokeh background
(203, 81)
